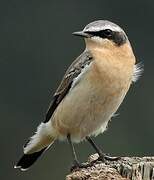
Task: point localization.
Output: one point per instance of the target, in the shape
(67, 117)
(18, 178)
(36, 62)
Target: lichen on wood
(126, 168)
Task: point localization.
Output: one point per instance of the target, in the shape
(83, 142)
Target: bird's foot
(105, 157)
(76, 165)
(111, 158)
(102, 157)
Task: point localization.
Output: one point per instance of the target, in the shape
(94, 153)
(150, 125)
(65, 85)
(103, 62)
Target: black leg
(102, 156)
(97, 149)
(75, 162)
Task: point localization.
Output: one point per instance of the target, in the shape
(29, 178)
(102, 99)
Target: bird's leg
(75, 160)
(97, 149)
(76, 163)
(102, 156)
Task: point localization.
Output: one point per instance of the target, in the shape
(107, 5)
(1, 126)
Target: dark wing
(73, 71)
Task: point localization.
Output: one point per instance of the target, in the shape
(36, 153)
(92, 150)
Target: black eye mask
(118, 38)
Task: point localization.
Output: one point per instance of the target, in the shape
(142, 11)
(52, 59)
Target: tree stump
(126, 168)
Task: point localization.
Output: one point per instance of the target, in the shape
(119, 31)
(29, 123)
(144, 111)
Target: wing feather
(73, 72)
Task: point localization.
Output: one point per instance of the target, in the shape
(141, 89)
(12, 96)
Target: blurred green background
(36, 47)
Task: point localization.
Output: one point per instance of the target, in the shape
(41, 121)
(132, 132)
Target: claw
(104, 157)
(110, 158)
(76, 165)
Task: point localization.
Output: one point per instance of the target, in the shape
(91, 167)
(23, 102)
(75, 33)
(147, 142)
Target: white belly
(86, 110)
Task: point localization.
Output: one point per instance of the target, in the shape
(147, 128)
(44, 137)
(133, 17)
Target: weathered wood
(126, 168)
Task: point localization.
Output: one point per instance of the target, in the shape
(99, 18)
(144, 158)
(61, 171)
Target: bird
(90, 93)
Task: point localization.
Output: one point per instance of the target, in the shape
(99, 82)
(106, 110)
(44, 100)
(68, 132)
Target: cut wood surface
(126, 168)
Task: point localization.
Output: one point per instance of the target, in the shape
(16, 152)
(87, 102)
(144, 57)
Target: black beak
(81, 34)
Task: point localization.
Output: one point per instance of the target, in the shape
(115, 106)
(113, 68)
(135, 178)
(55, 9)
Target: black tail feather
(28, 159)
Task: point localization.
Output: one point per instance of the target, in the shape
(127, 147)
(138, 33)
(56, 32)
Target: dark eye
(107, 32)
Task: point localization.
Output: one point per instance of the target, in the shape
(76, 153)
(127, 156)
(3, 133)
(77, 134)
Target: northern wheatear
(90, 93)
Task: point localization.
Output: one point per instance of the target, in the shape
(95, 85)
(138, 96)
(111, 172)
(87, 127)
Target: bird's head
(103, 33)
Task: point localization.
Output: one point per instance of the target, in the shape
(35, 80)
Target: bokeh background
(36, 47)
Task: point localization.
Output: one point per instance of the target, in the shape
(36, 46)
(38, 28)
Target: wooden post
(126, 168)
